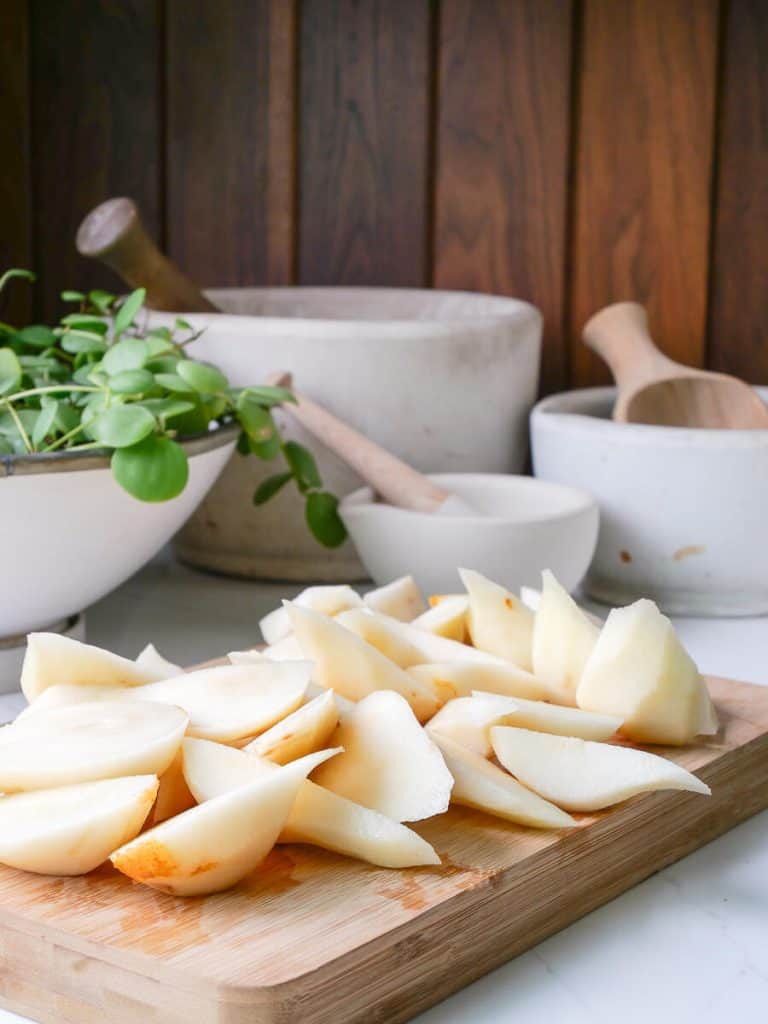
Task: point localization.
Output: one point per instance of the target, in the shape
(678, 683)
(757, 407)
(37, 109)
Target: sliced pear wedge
(542, 717)
(405, 644)
(346, 663)
(499, 622)
(86, 742)
(447, 618)
(640, 671)
(563, 639)
(52, 658)
(229, 702)
(318, 817)
(214, 845)
(64, 694)
(249, 657)
(580, 775)
(152, 661)
(287, 649)
(327, 600)
(303, 731)
(173, 795)
(480, 784)
(467, 721)
(401, 599)
(460, 679)
(389, 763)
(72, 829)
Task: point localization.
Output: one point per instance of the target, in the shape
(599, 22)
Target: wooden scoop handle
(619, 335)
(114, 234)
(397, 482)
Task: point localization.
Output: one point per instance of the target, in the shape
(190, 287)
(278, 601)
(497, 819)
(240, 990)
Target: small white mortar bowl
(526, 525)
(683, 512)
(71, 534)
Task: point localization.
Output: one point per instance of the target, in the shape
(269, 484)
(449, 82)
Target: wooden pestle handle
(395, 481)
(619, 335)
(114, 234)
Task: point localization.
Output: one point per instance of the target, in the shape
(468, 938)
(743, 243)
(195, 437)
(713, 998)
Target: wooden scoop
(114, 234)
(655, 389)
(395, 481)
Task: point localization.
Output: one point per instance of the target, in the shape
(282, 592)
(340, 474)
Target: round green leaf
(203, 378)
(173, 382)
(70, 296)
(131, 382)
(10, 371)
(123, 425)
(254, 418)
(303, 464)
(84, 322)
(155, 469)
(267, 396)
(167, 408)
(130, 354)
(77, 342)
(269, 488)
(44, 423)
(323, 519)
(36, 336)
(127, 312)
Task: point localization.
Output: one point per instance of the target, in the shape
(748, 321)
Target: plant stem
(49, 389)
(70, 433)
(20, 427)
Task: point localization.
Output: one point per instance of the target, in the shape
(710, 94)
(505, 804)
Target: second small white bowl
(526, 525)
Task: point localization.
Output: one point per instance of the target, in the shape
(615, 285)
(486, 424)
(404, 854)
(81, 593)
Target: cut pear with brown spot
(303, 731)
(447, 618)
(499, 622)
(580, 775)
(214, 845)
(401, 599)
(491, 675)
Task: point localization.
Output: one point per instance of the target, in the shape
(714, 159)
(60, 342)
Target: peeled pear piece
(229, 702)
(467, 721)
(287, 649)
(72, 829)
(461, 679)
(401, 599)
(499, 622)
(247, 657)
(152, 660)
(389, 763)
(542, 717)
(405, 644)
(318, 817)
(447, 618)
(302, 732)
(85, 742)
(344, 662)
(173, 795)
(52, 658)
(480, 784)
(563, 639)
(581, 775)
(64, 694)
(327, 600)
(212, 846)
(641, 672)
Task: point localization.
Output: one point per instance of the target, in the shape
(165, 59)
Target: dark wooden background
(572, 152)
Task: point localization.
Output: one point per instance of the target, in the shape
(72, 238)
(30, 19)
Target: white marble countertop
(688, 945)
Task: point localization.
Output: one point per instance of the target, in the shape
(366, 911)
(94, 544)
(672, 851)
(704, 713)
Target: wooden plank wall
(571, 152)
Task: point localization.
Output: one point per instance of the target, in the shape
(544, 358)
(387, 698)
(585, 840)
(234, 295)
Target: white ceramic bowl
(684, 513)
(70, 534)
(445, 380)
(527, 525)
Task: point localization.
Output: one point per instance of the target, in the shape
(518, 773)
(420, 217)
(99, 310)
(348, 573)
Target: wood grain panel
(502, 156)
(15, 213)
(230, 200)
(364, 141)
(95, 126)
(644, 169)
(738, 338)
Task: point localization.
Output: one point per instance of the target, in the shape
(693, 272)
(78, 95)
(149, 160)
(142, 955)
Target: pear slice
(389, 762)
(541, 717)
(580, 775)
(405, 644)
(318, 817)
(248, 657)
(229, 702)
(447, 618)
(640, 671)
(173, 795)
(327, 600)
(85, 742)
(214, 845)
(401, 599)
(302, 732)
(52, 658)
(466, 721)
(287, 649)
(499, 622)
(460, 679)
(152, 660)
(480, 784)
(563, 639)
(73, 829)
(345, 663)
(64, 694)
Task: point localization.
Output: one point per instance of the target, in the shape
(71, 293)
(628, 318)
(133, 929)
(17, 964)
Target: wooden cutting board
(312, 938)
